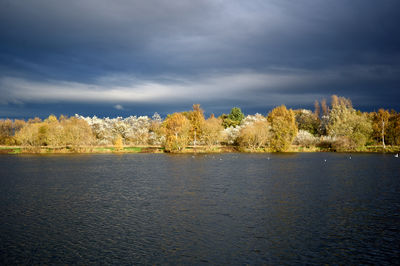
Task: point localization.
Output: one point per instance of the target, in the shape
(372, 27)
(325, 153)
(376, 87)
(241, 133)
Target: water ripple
(176, 209)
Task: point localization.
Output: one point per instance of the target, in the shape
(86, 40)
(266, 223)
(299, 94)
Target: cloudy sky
(124, 57)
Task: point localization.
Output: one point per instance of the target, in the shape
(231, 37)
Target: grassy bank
(159, 149)
(62, 150)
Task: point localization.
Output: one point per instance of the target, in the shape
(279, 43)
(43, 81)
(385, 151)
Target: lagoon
(300, 208)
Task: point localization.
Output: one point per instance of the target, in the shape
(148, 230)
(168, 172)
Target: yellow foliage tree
(197, 121)
(380, 125)
(352, 128)
(6, 132)
(118, 144)
(29, 135)
(255, 135)
(77, 133)
(54, 132)
(283, 128)
(212, 131)
(72, 132)
(177, 132)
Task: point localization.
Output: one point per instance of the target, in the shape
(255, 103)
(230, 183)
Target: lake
(306, 208)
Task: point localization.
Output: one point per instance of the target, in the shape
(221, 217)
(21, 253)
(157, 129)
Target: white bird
(325, 160)
(396, 155)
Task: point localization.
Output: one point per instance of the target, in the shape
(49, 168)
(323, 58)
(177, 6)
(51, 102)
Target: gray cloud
(282, 86)
(256, 53)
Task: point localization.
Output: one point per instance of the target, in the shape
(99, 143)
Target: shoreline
(11, 150)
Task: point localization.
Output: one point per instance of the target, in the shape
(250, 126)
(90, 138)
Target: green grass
(133, 149)
(104, 149)
(377, 148)
(111, 149)
(8, 148)
(16, 151)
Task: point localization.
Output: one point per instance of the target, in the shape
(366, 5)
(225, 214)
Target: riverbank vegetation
(336, 127)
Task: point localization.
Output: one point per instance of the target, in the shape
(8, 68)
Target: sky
(131, 57)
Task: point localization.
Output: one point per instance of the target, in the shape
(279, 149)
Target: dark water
(214, 209)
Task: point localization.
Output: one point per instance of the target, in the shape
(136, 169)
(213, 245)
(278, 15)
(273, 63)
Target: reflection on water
(191, 209)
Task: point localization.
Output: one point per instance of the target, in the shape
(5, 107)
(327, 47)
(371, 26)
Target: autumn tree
(283, 128)
(18, 124)
(73, 132)
(335, 100)
(255, 135)
(6, 132)
(352, 128)
(156, 134)
(8, 129)
(324, 107)
(307, 120)
(393, 129)
(33, 134)
(77, 133)
(34, 120)
(317, 109)
(212, 131)
(29, 135)
(197, 121)
(54, 132)
(323, 116)
(380, 125)
(177, 132)
(118, 144)
(37, 133)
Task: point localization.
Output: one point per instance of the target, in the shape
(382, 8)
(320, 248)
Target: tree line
(337, 127)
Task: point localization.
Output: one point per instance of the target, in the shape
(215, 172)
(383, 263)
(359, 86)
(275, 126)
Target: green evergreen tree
(234, 118)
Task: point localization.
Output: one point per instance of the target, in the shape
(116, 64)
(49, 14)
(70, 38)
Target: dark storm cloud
(256, 54)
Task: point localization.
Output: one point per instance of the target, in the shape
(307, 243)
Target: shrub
(305, 139)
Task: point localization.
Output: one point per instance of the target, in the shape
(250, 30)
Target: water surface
(200, 209)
